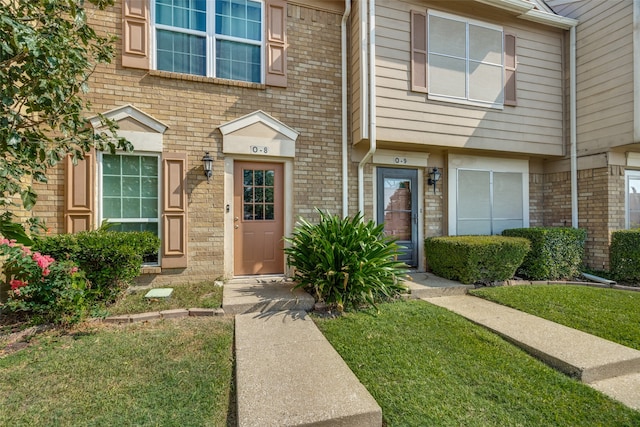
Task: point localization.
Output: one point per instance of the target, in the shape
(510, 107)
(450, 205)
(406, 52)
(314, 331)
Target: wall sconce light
(207, 164)
(434, 177)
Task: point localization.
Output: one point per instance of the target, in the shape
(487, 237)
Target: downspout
(345, 139)
(572, 127)
(372, 104)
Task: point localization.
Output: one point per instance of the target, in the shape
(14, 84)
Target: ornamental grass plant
(345, 262)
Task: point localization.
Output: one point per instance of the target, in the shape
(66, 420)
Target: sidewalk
(606, 366)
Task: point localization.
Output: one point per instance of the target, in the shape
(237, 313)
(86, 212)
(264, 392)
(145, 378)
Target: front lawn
(608, 313)
(163, 373)
(427, 366)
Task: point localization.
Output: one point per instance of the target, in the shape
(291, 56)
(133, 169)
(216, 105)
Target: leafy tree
(47, 53)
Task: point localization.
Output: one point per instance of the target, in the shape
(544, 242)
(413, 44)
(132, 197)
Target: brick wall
(193, 107)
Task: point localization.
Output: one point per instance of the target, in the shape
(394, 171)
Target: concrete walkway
(287, 373)
(606, 366)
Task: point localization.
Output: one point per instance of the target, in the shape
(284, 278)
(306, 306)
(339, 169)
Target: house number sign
(259, 149)
(400, 160)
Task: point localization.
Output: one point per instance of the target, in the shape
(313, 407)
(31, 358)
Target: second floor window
(461, 60)
(465, 60)
(221, 38)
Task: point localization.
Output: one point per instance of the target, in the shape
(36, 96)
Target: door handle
(235, 219)
(236, 226)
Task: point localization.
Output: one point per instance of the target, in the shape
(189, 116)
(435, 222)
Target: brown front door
(258, 204)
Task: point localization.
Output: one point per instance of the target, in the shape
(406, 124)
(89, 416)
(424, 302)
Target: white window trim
(627, 175)
(100, 192)
(211, 38)
(494, 164)
(466, 100)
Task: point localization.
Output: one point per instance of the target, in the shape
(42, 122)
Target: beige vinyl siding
(604, 40)
(533, 127)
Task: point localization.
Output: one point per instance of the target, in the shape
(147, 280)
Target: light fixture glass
(207, 164)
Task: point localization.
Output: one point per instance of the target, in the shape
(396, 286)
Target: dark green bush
(556, 252)
(345, 262)
(110, 259)
(624, 255)
(471, 259)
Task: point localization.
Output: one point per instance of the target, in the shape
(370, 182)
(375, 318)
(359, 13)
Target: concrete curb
(165, 314)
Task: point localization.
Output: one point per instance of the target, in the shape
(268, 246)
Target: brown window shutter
(510, 65)
(276, 47)
(135, 37)
(419, 81)
(79, 193)
(174, 210)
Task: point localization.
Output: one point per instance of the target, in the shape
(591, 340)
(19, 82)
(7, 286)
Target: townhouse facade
(436, 118)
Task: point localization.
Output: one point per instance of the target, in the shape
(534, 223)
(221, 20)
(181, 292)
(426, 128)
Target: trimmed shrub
(110, 259)
(556, 252)
(345, 262)
(471, 259)
(624, 254)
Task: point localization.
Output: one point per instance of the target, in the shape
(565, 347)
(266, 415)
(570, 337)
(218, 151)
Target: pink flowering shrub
(45, 289)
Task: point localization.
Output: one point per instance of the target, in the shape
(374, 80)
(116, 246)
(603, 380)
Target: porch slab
(427, 285)
(261, 295)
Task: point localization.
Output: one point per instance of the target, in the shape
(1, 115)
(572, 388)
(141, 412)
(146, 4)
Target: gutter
(372, 103)
(345, 138)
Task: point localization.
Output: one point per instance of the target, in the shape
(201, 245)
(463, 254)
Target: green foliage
(47, 53)
(624, 255)
(12, 230)
(111, 260)
(345, 262)
(45, 289)
(556, 252)
(471, 259)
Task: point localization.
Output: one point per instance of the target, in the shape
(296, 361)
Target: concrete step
(625, 389)
(428, 285)
(287, 374)
(419, 291)
(581, 355)
(255, 295)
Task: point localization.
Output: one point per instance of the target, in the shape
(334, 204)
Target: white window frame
(100, 192)
(466, 100)
(628, 174)
(211, 37)
(494, 164)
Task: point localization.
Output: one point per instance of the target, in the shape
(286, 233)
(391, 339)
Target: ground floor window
(487, 195)
(632, 201)
(130, 192)
(488, 201)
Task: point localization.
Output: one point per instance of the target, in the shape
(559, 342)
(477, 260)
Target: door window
(397, 209)
(258, 195)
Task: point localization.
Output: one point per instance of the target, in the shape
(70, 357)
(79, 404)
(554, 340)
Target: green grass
(427, 366)
(162, 373)
(194, 295)
(608, 313)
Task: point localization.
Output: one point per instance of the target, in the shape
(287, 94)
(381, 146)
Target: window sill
(150, 269)
(203, 79)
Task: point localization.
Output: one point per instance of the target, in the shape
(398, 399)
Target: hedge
(556, 252)
(471, 259)
(624, 255)
(110, 259)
